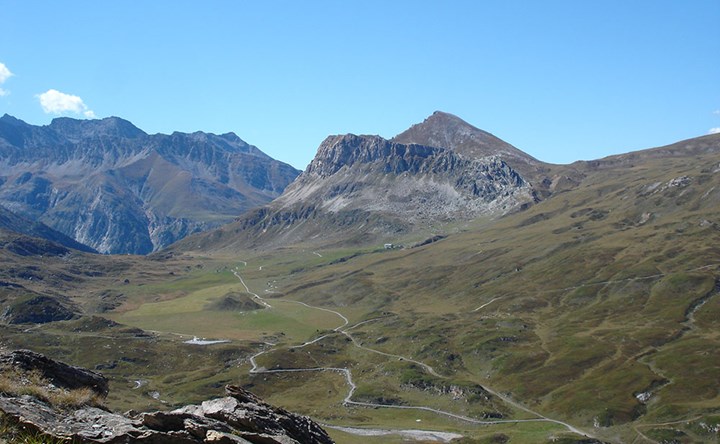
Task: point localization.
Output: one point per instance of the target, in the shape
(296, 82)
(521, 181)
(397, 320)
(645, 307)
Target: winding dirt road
(346, 372)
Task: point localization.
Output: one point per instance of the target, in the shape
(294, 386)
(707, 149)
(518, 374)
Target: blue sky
(561, 80)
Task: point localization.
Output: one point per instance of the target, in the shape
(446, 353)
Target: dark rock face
(372, 154)
(60, 374)
(240, 417)
(109, 185)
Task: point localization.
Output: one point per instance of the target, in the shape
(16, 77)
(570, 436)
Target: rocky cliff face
(29, 402)
(412, 182)
(109, 185)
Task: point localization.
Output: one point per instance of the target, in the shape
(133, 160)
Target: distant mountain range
(111, 186)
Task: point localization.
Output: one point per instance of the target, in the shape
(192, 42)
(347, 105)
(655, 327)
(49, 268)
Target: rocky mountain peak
(13, 129)
(440, 170)
(442, 119)
(355, 179)
(107, 127)
(10, 120)
(232, 137)
(449, 131)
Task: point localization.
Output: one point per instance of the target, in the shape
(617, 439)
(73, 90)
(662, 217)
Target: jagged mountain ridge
(363, 188)
(111, 186)
(427, 181)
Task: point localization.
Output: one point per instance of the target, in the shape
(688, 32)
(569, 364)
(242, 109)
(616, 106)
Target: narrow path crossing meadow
(347, 373)
(487, 303)
(616, 281)
(247, 289)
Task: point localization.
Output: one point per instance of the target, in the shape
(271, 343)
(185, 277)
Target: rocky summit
(109, 185)
(412, 182)
(362, 188)
(449, 131)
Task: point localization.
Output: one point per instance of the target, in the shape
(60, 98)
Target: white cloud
(717, 112)
(714, 130)
(56, 102)
(4, 75)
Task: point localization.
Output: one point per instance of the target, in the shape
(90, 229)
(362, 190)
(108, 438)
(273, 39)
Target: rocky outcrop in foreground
(240, 417)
